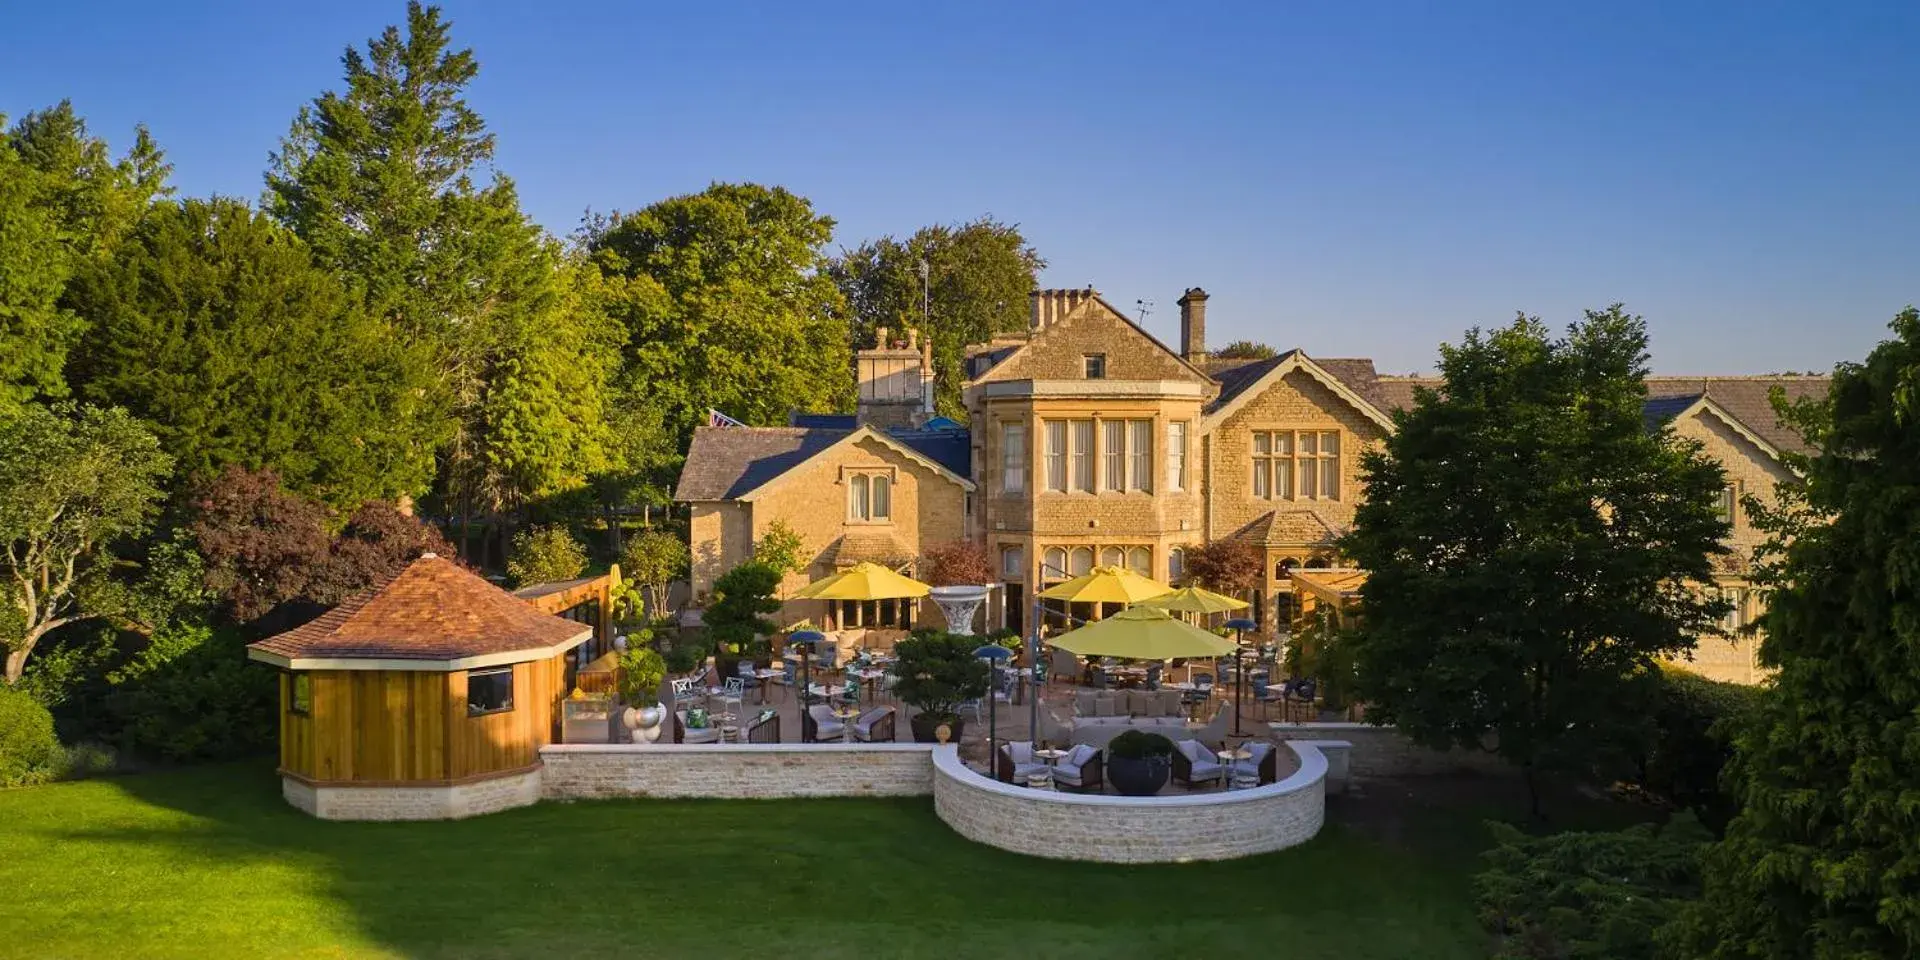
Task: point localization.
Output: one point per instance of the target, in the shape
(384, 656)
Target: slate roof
(822, 421)
(1286, 528)
(1746, 399)
(725, 463)
(857, 547)
(433, 609)
(1660, 411)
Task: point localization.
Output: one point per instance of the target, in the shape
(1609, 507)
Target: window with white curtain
(1056, 455)
(1140, 561)
(1013, 457)
(1140, 455)
(858, 505)
(1296, 464)
(1177, 455)
(1081, 453)
(882, 498)
(1113, 454)
(1080, 561)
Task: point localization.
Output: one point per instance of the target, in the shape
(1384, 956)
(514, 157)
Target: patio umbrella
(864, 581)
(1107, 585)
(1142, 633)
(1195, 600)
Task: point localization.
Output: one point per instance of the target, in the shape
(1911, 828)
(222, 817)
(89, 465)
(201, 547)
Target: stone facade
(1209, 825)
(413, 802)
(737, 771)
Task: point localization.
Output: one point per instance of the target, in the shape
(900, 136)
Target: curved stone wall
(1211, 825)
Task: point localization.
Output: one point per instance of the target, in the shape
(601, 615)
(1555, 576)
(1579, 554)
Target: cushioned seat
(1195, 763)
(1072, 767)
(707, 734)
(825, 726)
(1014, 762)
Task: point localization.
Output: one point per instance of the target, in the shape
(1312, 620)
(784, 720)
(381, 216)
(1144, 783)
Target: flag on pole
(717, 419)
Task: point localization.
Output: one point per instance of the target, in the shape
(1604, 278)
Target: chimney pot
(1193, 324)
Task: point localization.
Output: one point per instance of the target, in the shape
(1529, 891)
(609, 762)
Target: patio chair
(818, 725)
(686, 690)
(1267, 695)
(1195, 763)
(875, 726)
(1153, 676)
(766, 729)
(1014, 762)
(789, 675)
(1264, 765)
(1066, 667)
(1202, 690)
(1214, 734)
(1082, 770)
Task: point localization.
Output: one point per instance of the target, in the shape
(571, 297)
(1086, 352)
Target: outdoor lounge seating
(818, 725)
(1195, 763)
(1081, 769)
(684, 734)
(1014, 762)
(1264, 765)
(875, 726)
(766, 729)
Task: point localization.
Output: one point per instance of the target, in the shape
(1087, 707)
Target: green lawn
(211, 863)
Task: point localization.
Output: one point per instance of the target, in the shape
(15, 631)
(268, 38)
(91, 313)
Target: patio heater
(991, 654)
(1239, 626)
(805, 640)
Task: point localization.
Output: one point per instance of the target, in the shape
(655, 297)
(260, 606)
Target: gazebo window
(299, 693)
(489, 691)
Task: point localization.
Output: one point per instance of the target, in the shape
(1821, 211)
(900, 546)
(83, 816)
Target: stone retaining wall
(1209, 825)
(737, 771)
(413, 803)
(1384, 752)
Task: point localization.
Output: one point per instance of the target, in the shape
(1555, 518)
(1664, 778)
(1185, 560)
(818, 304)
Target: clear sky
(1357, 179)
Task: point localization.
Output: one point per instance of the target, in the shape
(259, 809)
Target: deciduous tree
(978, 275)
(654, 559)
(1246, 350)
(1228, 566)
(72, 481)
(1819, 860)
(544, 555)
(1533, 550)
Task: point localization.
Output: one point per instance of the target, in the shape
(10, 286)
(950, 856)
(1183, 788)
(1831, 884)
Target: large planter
(1138, 776)
(923, 725)
(643, 723)
(958, 604)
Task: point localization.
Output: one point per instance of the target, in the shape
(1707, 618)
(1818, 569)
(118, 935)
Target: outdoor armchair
(1014, 762)
(1081, 769)
(1195, 763)
(818, 725)
(875, 726)
(683, 734)
(1264, 764)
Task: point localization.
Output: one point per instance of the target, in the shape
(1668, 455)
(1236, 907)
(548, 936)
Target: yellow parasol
(1195, 600)
(863, 581)
(1142, 633)
(1106, 585)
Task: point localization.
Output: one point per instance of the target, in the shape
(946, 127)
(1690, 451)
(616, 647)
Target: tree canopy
(64, 203)
(1533, 549)
(213, 324)
(726, 305)
(979, 274)
(1820, 860)
(72, 481)
(1246, 350)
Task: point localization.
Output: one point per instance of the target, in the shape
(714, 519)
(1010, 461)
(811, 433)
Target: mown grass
(210, 862)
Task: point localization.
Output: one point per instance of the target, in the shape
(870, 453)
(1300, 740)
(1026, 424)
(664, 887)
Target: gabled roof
(1277, 528)
(433, 614)
(1747, 400)
(730, 463)
(1661, 411)
(1001, 356)
(1241, 384)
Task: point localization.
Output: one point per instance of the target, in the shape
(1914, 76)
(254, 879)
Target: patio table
(766, 678)
(1227, 757)
(846, 716)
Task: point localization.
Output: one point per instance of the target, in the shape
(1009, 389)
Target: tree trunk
(1528, 774)
(16, 665)
(613, 530)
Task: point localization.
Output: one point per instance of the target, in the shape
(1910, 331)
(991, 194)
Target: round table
(846, 716)
(1227, 757)
(766, 678)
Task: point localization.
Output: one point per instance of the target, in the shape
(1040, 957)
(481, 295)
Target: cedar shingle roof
(433, 609)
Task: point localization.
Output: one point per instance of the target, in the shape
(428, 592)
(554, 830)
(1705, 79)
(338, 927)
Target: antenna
(1146, 307)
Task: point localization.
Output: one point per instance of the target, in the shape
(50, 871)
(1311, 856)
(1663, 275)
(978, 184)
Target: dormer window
(1096, 366)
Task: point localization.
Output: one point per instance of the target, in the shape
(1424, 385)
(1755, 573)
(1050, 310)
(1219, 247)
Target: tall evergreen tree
(64, 203)
(978, 275)
(727, 305)
(1824, 858)
(1533, 550)
(384, 182)
(214, 325)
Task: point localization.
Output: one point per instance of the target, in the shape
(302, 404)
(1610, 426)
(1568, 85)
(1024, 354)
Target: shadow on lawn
(828, 878)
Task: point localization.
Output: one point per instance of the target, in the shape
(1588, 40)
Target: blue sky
(1355, 179)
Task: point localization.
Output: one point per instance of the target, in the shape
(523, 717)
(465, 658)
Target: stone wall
(1384, 752)
(750, 771)
(1209, 825)
(413, 803)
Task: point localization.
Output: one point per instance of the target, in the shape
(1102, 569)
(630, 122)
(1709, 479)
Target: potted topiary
(934, 672)
(737, 620)
(641, 670)
(1139, 762)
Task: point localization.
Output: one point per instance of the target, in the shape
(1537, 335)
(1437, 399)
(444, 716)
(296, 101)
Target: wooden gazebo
(426, 696)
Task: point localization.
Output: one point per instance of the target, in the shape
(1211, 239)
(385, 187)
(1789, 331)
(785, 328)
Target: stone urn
(958, 604)
(643, 723)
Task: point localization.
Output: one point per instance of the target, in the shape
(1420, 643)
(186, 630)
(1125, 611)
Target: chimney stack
(1193, 325)
(1052, 306)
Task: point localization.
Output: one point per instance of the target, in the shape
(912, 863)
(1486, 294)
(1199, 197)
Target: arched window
(1176, 564)
(1140, 561)
(857, 504)
(1056, 561)
(1320, 561)
(1113, 557)
(882, 498)
(1080, 561)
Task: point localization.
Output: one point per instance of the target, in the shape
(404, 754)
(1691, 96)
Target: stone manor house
(1089, 442)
